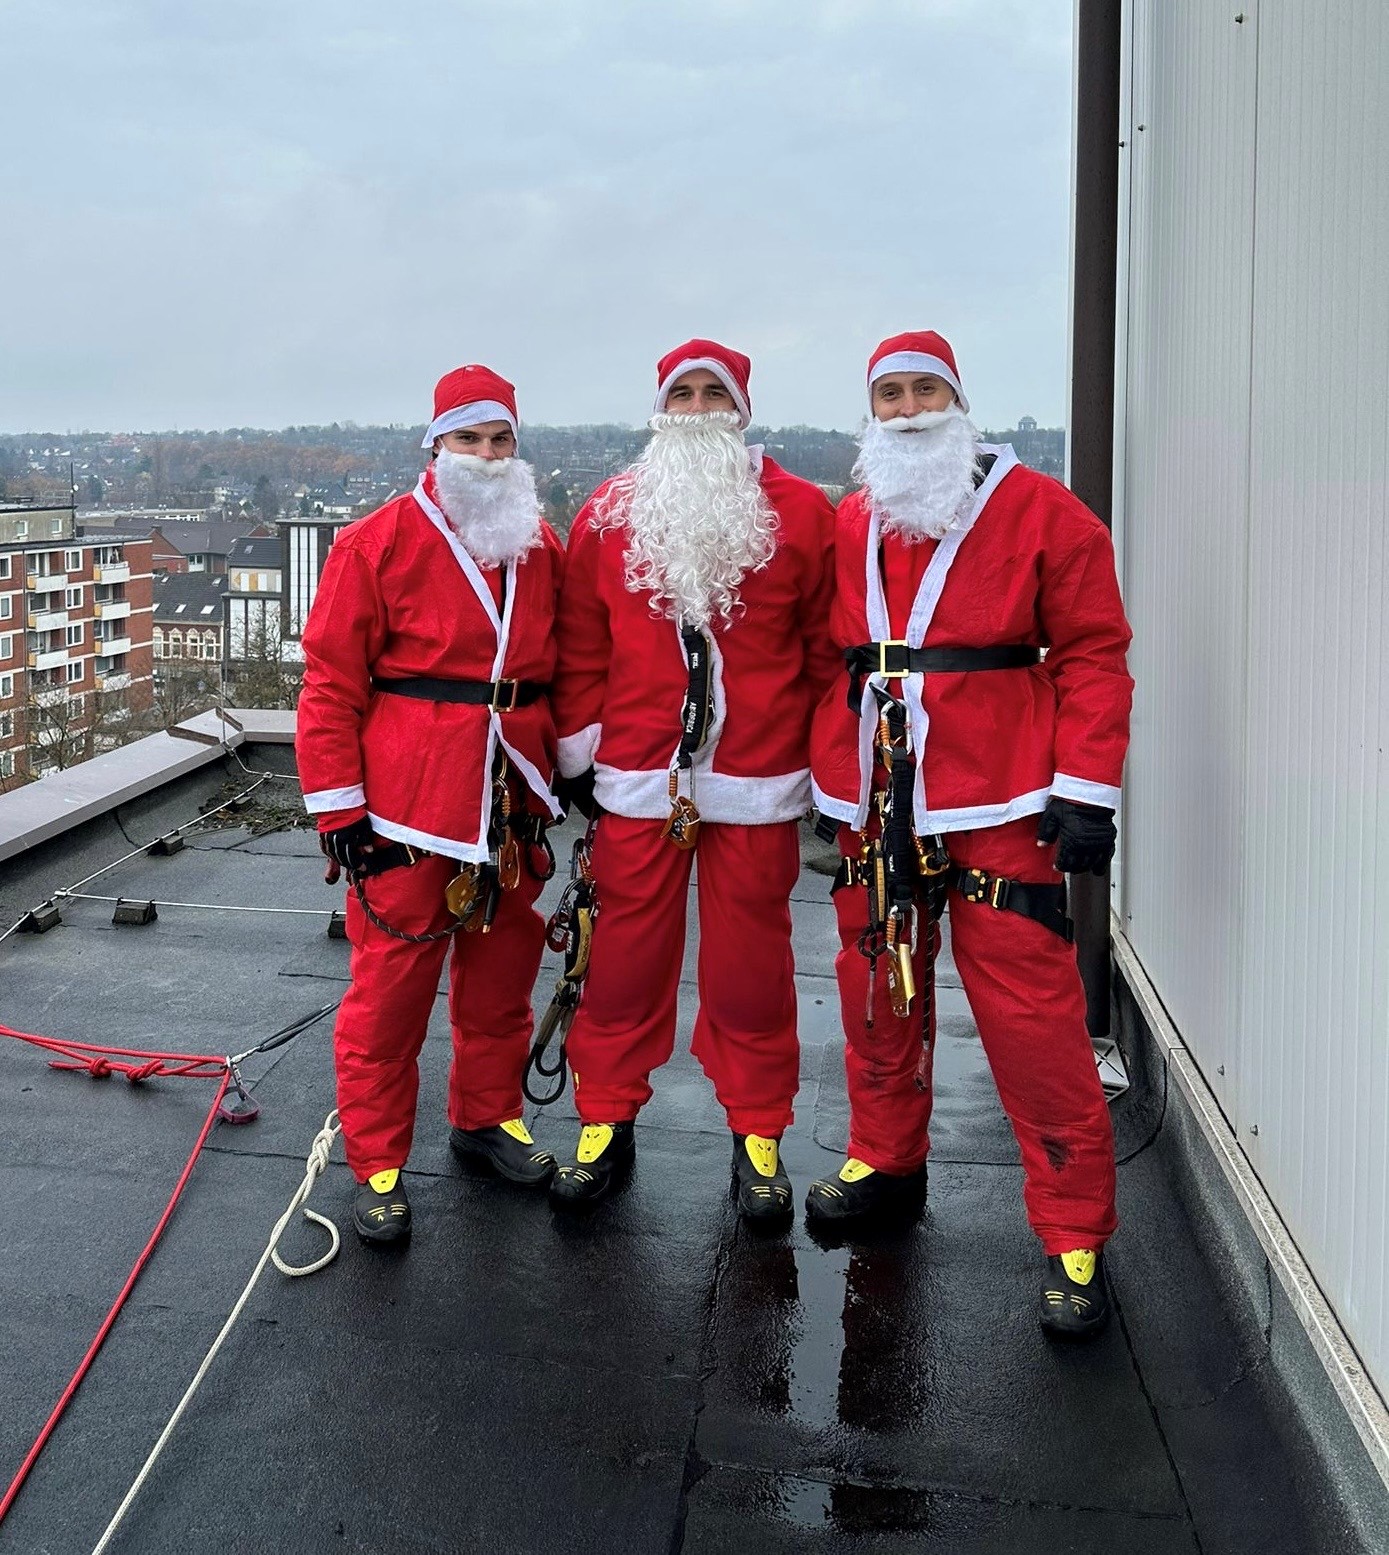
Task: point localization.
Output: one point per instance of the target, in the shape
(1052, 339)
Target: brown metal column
(1095, 258)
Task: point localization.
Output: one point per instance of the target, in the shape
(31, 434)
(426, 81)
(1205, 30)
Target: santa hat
(467, 397)
(918, 351)
(731, 368)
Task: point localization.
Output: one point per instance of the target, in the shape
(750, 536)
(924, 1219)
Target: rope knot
(144, 1071)
(100, 1068)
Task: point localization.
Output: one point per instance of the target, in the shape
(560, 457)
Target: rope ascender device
(570, 930)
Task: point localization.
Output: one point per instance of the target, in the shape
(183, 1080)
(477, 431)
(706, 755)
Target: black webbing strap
(896, 658)
(1044, 904)
(501, 695)
(699, 692)
(899, 833)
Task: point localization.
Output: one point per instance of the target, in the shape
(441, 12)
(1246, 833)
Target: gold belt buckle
(896, 642)
(513, 691)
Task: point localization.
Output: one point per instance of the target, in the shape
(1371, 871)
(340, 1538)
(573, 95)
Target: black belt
(896, 658)
(500, 695)
(1044, 904)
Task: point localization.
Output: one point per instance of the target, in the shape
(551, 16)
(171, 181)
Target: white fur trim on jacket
(1083, 791)
(576, 750)
(739, 801)
(450, 847)
(335, 799)
(966, 818)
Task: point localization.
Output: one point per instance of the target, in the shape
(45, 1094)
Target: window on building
(175, 644)
(72, 561)
(6, 605)
(6, 726)
(262, 580)
(6, 687)
(21, 529)
(74, 636)
(76, 670)
(7, 646)
(6, 763)
(55, 526)
(4, 566)
(73, 598)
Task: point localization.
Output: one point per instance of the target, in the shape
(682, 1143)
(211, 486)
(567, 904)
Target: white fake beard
(696, 517)
(491, 505)
(919, 471)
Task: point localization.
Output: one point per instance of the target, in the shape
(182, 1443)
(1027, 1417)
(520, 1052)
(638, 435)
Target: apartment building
(75, 647)
(24, 521)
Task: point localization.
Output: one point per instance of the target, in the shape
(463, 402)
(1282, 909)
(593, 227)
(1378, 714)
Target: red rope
(188, 1066)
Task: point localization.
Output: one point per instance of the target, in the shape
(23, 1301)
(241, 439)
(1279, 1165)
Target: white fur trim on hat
(918, 362)
(469, 416)
(719, 370)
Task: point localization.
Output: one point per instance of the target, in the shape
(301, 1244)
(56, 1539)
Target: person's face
(696, 391)
(908, 394)
(488, 440)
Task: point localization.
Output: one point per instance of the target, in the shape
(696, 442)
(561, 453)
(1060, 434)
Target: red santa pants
(381, 1022)
(1025, 993)
(745, 1032)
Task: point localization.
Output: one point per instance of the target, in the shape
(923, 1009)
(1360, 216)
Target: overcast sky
(295, 211)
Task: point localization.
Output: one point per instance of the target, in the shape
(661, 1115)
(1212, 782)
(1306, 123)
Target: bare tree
(264, 675)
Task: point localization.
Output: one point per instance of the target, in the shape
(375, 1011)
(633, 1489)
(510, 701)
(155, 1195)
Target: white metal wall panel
(1255, 505)
(1315, 1029)
(1190, 145)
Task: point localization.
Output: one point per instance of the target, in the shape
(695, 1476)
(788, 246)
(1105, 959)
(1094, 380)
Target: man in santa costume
(965, 767)
(425, 747)
(693, 645)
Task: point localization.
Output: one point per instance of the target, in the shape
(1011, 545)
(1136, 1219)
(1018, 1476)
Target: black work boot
(381, 1212)
(605, 1154)
(760, 1183)
(858, 1193)
(508, 1149)
(1075, 1301)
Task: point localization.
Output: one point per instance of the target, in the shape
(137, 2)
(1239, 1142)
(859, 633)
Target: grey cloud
(264, 214)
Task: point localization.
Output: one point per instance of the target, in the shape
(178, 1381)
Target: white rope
(294, 912)
(317, 1161)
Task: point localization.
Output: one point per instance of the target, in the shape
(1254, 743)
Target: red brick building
(76, 661)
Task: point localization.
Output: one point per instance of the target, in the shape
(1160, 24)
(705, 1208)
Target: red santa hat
(731, 368)
(918, 351)
(467, 397)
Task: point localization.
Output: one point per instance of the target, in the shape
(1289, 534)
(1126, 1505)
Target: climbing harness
(570, 929)
(473, 895)
(683, 822)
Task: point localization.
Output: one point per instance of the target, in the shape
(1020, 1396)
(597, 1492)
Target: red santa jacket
(399, 596)
(620, 684)
(1029, 564)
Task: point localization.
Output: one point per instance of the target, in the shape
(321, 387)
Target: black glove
(1085, 835)
(351, 847)
(576, 793)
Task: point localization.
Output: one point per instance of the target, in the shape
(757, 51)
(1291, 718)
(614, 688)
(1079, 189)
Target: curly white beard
(696, 517)
(491, 505)
(919, 471)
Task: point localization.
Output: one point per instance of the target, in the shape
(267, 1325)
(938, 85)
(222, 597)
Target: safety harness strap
(696, 713)
(1045, 904)
(896, 658)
